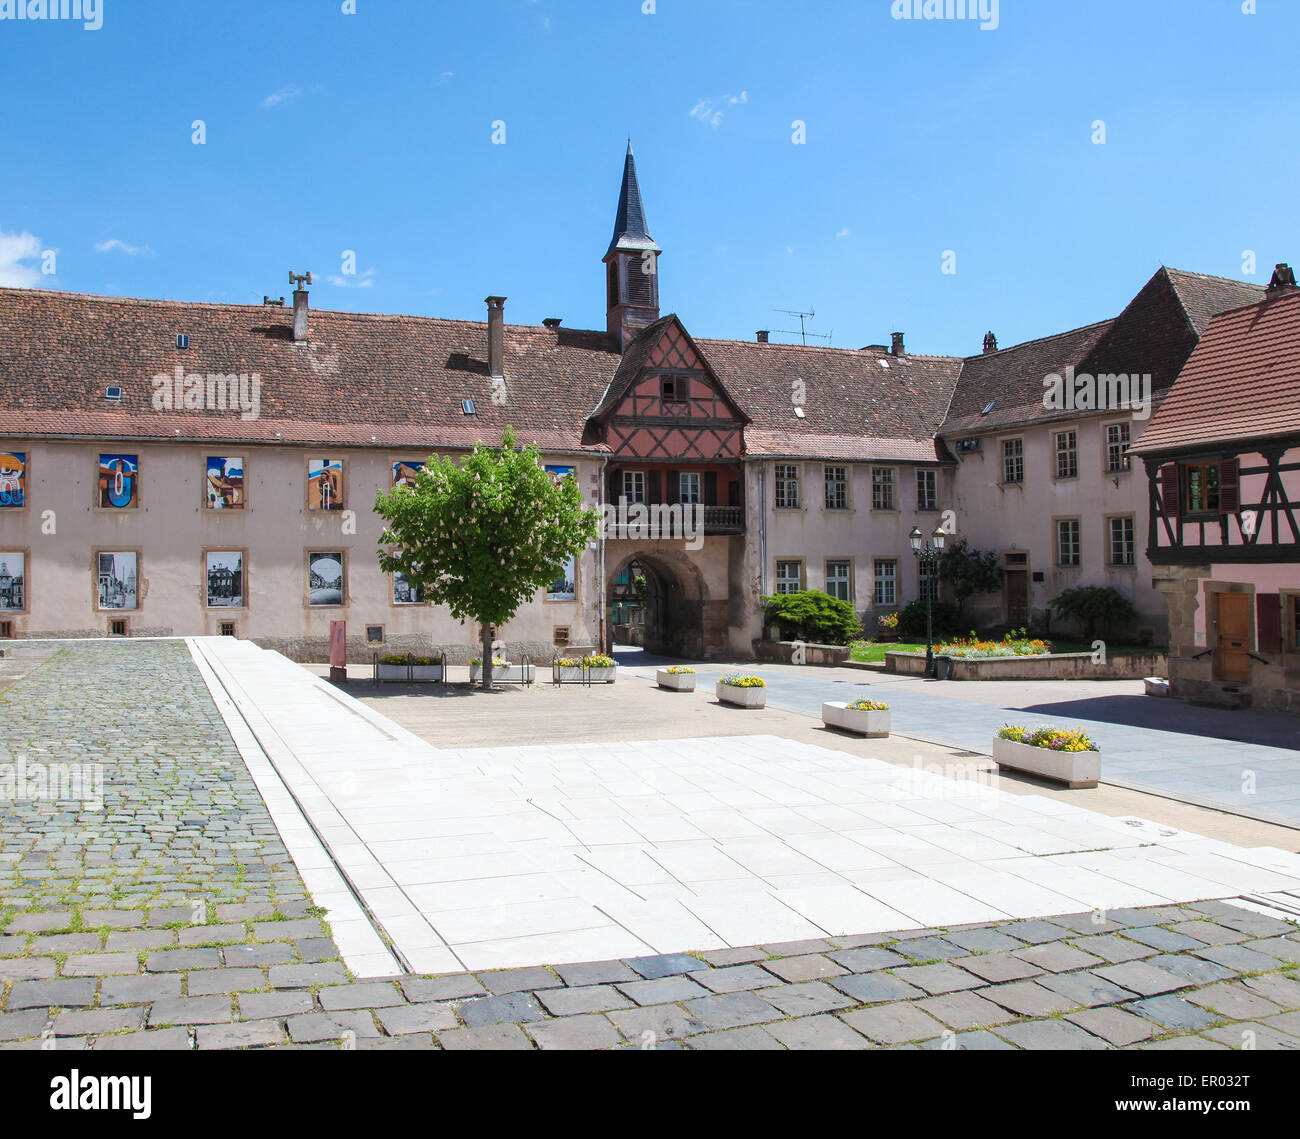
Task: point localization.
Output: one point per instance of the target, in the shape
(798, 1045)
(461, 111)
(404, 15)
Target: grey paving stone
(983, 940)
(1193, 968)
(307, 976)
(1260, 925)
(66, 943)
(998, 967)
(662, 990)
(661, 1021)
(665, 965)
(28, 969)
(575, 1032)
(980, 1040)
(403, 1020)
(583, 999)
(374, 994)
(1027, 998)
(208, 982)
(734, 1040)
(1233, 1001)
(318, 1026)
(65, 1044)
(1252, 1036)
(1151, 915)
(132, 941)
(100, 964)
(927, 949)
(1086, 989)
(516, 1006)
(266, 1006)
(489, 1038)
(1276, 987)
(1184, 1044)
(79, 993)
(1209, 932)
(862, 940)
(808, 998)
(596, 973)
(285, 930)
(502, 981)
(1113, 1025)
(1165, 940)
(1173, 1012)
(731, 1010)
(797, 948)
(189, 1010)
(139, 990)
(254, 1034)
(419, 989)
(1087, 924)
(734, 978)
(875, 988)
(243, 911)
(1283, 948)
(99, 1021)
(39, 923)
(158, 1040)
(21, 1025)
(179, 960)
(9, 946)
(1057, 957)
(867, 959)
(724, 957)
(251, 956)
(893, 1024)
(112, 919)
(169, 915)
(964, 1010)
(1055, 1035)
(1285, 1022)
(1036, 931)
(811, 967)
(817, 1034)
(938, 978)
(210, 934)
(1113, 948)
(412, 1042)
(1239, 958)
(1141, 977)
(312, 949)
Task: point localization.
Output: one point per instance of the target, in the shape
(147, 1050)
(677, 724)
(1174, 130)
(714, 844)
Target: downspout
(605, 646)
(762, 528)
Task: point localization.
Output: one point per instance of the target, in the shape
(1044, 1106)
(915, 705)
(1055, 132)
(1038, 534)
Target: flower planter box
(873, 724)
(1073, 768)
(420, 673)
(594, 675)
(677, 681)
(741, 697)
(515, 673)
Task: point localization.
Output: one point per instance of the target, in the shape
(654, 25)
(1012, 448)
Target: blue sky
(373, 132)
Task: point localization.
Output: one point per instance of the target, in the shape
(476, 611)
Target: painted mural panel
(325, 484)
(406, 593)
(119, 482)
(13, 479)
(404, 473)
(564, 587)
(118, 581)
(225, 575)
(325, 585)
(225, 482)
(13, 580)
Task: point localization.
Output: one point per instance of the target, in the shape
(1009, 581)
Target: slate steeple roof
(630, 232)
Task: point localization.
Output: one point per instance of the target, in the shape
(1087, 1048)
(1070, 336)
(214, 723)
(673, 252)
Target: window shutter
(1229, 487)
(1268, 622)
(652, 487)
(673, 491)
(615, 488)
(710, 488)
(733, 493)
(1169, 490)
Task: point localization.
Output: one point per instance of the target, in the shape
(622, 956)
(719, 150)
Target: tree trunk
(487, 657)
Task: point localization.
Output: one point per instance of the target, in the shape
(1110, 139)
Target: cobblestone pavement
(102, 945)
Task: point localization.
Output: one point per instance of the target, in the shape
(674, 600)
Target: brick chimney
(299, 281)
(896, 347)
(990, 342)
(496, 336)
(763, 335)
(1283, 279)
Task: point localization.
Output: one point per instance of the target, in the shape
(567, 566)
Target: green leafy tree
(1094, 607)
(969, 571)
(482, 536)
(811, 615)
(911, 620)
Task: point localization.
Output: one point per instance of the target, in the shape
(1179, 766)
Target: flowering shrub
(887, 623)
(398, 658)
(570, 662)
(497, 662)
(1055, 739)
(681, 670)
(1015, 644)
(738, 681)
(596, 660)
(867, 706)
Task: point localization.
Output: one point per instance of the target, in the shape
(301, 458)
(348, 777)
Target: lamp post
(928, 556)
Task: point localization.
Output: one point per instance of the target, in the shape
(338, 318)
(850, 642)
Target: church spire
(632, 261)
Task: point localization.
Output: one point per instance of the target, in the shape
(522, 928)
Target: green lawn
(873, 652)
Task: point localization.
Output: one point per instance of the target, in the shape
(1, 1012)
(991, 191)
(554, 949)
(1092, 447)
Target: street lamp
(928, 557)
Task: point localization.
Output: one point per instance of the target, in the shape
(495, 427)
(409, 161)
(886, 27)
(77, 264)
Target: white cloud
(789, 248)
(843, 233)
(281, 96)
(114, 245)
(16, 248)
(708, 110)
(446, 77)
(365, 280)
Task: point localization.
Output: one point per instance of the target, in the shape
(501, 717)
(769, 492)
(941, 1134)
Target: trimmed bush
(1094, 607)
(813, 616)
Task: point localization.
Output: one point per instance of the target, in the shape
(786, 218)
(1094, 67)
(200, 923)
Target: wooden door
(1017, 597)
(1232, 653)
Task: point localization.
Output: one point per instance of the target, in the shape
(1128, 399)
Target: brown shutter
(1268, 618)
(710, 488)
(733, 492)
(615, 487)
(672, 492)
(652, 487)
(1229, 487)
(1169, 490)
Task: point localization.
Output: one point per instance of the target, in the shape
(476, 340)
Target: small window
(113, 394)
(467, 406)
(227, 629)
(634, 486)
(118, 628)
(1121, 542)
(672, 389)
(561, 637)
(1067, 542)
(837, 580)
(1013, 461)
(882, 488)
(374, 634)
(789, 577)
(787, 487)
(837, 488)
(6, 630)
(688, 488)
(927, 490)
(1117, 441)
(886, 583)
(1067, 455)
(182, 340)
(1202, 488)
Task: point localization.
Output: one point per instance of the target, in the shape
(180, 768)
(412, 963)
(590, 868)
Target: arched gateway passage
(656, 601)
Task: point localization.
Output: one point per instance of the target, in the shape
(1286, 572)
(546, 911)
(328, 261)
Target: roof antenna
(803, 333)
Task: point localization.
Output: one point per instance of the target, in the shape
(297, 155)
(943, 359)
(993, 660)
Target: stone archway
(656, 600)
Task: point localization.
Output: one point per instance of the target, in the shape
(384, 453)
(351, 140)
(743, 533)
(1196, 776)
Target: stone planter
(515, 673)
(873, 724)
(1073, 768)
(420, 673)
(741, 697)
(594, 675)
(677, 681)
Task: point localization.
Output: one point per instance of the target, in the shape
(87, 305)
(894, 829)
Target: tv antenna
(803, 333)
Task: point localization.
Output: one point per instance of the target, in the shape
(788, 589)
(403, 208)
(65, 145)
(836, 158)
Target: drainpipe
(605, 645)
(762, 526)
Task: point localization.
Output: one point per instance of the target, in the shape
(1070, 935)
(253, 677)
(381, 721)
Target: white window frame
(845, 579)
(1127, 542)
(883, 490)
(927, 489)
(1077, 543)
(783, 581)
(693, 480)
(1016, 456)
(889, 579)
(836, 488)
(634, 486)
(786, 476)
(1117, 457)
(1069, 453)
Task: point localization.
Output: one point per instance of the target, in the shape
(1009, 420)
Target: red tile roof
(1241, 382)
